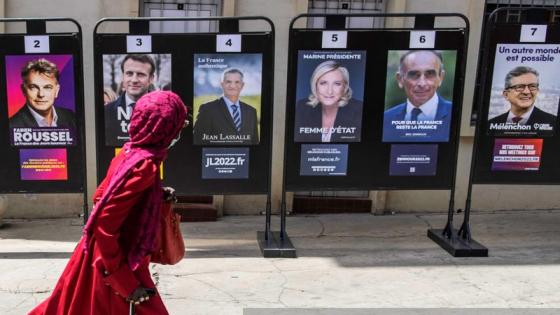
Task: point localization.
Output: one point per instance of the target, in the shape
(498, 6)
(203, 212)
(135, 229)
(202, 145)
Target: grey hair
(410, 52)
(231, 70)
(518, 71)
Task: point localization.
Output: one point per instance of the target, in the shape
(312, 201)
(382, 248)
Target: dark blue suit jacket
(114, 135)
(397, 113)
(24, 119)
(312, 117)
(214, 119)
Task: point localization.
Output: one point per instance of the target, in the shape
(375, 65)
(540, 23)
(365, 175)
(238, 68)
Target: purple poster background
(517, 154)
(66, 95)
(43, 164)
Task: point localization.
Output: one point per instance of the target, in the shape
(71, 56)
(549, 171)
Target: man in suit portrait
(40, 87)
(138, 73)
(520, 90)
(420, 74)
(227, 120)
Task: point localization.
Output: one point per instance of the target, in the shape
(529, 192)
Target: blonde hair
(321, 70)
(110, 93)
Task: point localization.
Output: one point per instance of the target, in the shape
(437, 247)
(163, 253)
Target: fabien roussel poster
(42, 113)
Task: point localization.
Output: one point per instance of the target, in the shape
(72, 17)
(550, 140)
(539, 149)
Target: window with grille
(507, 16)
(347, 7)
(181, 8)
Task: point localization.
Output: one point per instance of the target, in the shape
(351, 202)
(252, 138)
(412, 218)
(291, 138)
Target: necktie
(516, 119)
(236, 117)
(129, 109)
(414, 114)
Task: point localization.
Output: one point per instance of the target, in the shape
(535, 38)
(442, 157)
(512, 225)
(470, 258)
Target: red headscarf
(157, 119)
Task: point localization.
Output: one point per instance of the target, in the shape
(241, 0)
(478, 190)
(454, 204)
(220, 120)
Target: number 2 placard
(37, 44)
(138, 44)
(228, 43)
(422, 39)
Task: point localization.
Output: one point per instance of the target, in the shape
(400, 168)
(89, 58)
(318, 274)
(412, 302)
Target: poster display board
(518, 138)
(220, 80)
(226, 82)
(419, 79)
(389, 110)
(126, 77)
(329, 80)
(42, 120)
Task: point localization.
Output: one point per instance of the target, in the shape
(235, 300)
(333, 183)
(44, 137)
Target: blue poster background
(323, 160)
(413, 160)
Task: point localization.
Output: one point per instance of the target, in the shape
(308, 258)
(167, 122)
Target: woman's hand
(169, 194)
(140, 295)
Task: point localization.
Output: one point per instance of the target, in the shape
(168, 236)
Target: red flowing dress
(97, 281)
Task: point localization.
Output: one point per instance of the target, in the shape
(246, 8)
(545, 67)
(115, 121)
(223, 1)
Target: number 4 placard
(138, 44)
(533, 33)
(228, 43)
(422, 39)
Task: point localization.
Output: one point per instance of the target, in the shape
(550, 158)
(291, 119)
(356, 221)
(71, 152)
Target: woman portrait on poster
(108, 272)
(329, 114)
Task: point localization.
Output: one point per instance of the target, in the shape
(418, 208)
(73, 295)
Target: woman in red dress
(109, 268)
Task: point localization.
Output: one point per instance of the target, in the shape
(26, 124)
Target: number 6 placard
(138, 44)
(422, 39)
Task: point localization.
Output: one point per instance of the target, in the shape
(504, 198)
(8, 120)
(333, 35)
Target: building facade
(485, 198)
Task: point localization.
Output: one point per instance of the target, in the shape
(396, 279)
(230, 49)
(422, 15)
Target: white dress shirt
(42, 121)
(524, 117)
(429, 109)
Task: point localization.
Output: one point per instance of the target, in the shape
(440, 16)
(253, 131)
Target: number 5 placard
(228, 43)
(422, 39)
(334, 39)
(138, 44)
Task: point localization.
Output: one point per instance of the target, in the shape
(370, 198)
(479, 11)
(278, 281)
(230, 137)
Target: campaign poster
(323, 160)
(418, 95)
(413, 160)
(126, 78)
(43, 164)
(227, 99)
(161, 165)
(329, 96)
(41, 100)
(525, 92)
(225, 163)
(517, 154)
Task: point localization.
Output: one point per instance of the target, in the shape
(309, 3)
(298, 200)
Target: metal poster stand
(37, 28)
(334, 23)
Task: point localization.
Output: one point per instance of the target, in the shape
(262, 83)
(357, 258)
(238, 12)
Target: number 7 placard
(533, 33)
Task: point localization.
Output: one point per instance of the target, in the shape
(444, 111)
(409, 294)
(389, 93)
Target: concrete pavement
(345, 261)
